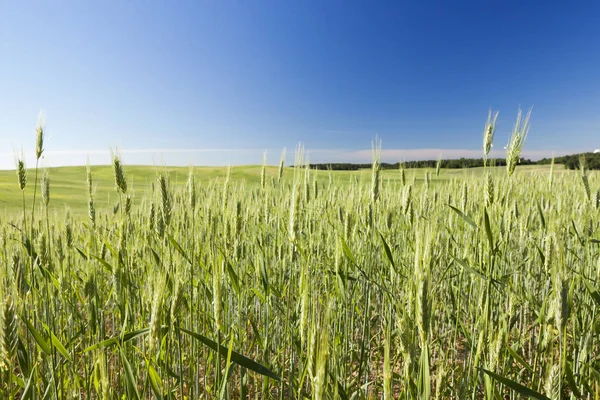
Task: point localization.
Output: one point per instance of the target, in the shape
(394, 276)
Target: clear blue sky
(213, 82)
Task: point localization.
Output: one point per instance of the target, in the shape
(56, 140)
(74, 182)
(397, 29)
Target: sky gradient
(219, 82)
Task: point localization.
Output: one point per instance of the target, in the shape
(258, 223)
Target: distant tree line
(452, 164)
(592, 161)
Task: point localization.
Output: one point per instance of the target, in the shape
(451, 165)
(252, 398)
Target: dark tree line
(592, 161)
(452, 164)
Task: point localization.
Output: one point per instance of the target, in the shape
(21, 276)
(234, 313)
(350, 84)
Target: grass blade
(488, 228)
(129, 377)
(155, 381)
(463, 216)
(388, 251)
(114, 340)
(235, 357)
(541, 214)
(29, 388)
(178, 247)
(39, 339)
(520, 359)
(60, 347)
(594, 293)
(348, 252)
(517, 387)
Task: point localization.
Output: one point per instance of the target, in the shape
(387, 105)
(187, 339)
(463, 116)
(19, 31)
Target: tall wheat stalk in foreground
(281, 166)
(584, 178)
(517, 141)
(21, 170)
(39, 150)
(488, 134)
(375, 169)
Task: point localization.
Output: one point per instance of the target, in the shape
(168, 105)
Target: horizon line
(210, 157)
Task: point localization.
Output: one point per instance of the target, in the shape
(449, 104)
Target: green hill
(68, 184)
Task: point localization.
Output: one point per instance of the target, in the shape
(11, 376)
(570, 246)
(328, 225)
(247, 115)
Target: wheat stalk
(517, 141)
(488, 134)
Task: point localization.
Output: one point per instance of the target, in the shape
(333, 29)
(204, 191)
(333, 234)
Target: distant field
(68, 185)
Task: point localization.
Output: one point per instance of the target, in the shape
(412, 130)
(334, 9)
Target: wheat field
(291, 283)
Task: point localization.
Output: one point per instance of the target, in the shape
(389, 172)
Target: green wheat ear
(21, 173)
(465, 197)
(119, 174)
(488, 134)
(552, 385)
(375, 169)
(46, 188)
(9, 334)
(39, 134)
(517, 140)
(191, 189)
(402, 175)
(281, 165)
(489, 189)
(263, 172)
(584, 178)
(90, 190)
(165, 197)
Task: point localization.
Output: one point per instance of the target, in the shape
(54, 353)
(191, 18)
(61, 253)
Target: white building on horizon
(596, 151)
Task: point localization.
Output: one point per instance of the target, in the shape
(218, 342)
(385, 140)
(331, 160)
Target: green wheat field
(284, 282)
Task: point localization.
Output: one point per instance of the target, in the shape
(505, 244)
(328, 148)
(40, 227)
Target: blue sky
(218, 82)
